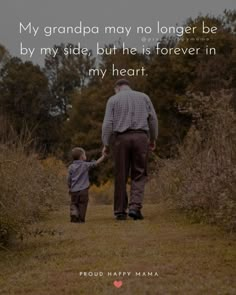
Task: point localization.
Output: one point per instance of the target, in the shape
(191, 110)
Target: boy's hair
(77, 153)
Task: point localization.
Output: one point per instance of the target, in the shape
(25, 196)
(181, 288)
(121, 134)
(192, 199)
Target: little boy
(78, 183)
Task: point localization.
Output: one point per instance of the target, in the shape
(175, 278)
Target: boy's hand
(102, 158)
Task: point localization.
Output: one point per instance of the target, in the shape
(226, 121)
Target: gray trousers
(130, 155)
(79, 203)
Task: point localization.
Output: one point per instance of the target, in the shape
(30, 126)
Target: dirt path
(163, 254)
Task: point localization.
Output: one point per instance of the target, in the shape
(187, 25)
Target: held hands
(105, 152)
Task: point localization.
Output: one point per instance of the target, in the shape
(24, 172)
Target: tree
(4, 56)
(173, 76)
(25, 100)
(65, 74)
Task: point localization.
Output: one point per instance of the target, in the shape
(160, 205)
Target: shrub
(202, 181)
(28, 189)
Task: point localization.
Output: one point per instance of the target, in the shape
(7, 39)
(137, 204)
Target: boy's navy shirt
(78, 177)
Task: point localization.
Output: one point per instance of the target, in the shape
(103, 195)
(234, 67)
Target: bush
(28, 189)
(202, 181)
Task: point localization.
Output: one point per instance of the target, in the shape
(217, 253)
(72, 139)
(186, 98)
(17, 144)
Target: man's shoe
(136, 214)
(74, 219)
(121, 217)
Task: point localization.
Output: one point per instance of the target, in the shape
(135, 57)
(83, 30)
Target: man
(131, 117)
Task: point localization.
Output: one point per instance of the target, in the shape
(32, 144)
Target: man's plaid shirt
(129, 109)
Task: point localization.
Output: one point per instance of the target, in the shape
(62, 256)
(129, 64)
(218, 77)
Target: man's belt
(132, 131)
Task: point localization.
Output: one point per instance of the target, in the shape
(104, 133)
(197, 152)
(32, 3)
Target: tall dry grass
(202, 181)
(103, 194)
(29, 188)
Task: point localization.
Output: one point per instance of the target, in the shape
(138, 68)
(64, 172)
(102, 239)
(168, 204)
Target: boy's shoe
(136, 214)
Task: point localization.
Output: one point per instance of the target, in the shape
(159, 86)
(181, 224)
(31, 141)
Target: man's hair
(121, 82)
(77, 152)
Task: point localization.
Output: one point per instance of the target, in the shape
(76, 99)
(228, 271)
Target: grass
(189, 258)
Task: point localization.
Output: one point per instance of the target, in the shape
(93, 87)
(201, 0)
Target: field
(163, 254)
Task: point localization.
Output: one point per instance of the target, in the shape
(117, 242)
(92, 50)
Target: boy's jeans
(79, 203)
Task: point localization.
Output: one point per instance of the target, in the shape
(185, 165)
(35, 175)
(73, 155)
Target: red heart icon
(117, 284)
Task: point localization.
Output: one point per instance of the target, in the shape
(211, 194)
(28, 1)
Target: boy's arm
(100, 160)
(95, 162)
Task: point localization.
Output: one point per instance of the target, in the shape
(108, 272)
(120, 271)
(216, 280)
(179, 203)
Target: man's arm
(153, 124)
(107, 126)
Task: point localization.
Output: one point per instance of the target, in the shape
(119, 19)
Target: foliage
(25, 101)
(28, 189)
(202, 180)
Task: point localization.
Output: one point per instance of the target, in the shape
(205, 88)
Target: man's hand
(105, 151)
(152, 146)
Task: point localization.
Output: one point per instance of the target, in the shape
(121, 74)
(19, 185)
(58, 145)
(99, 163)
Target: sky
(93, 13)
